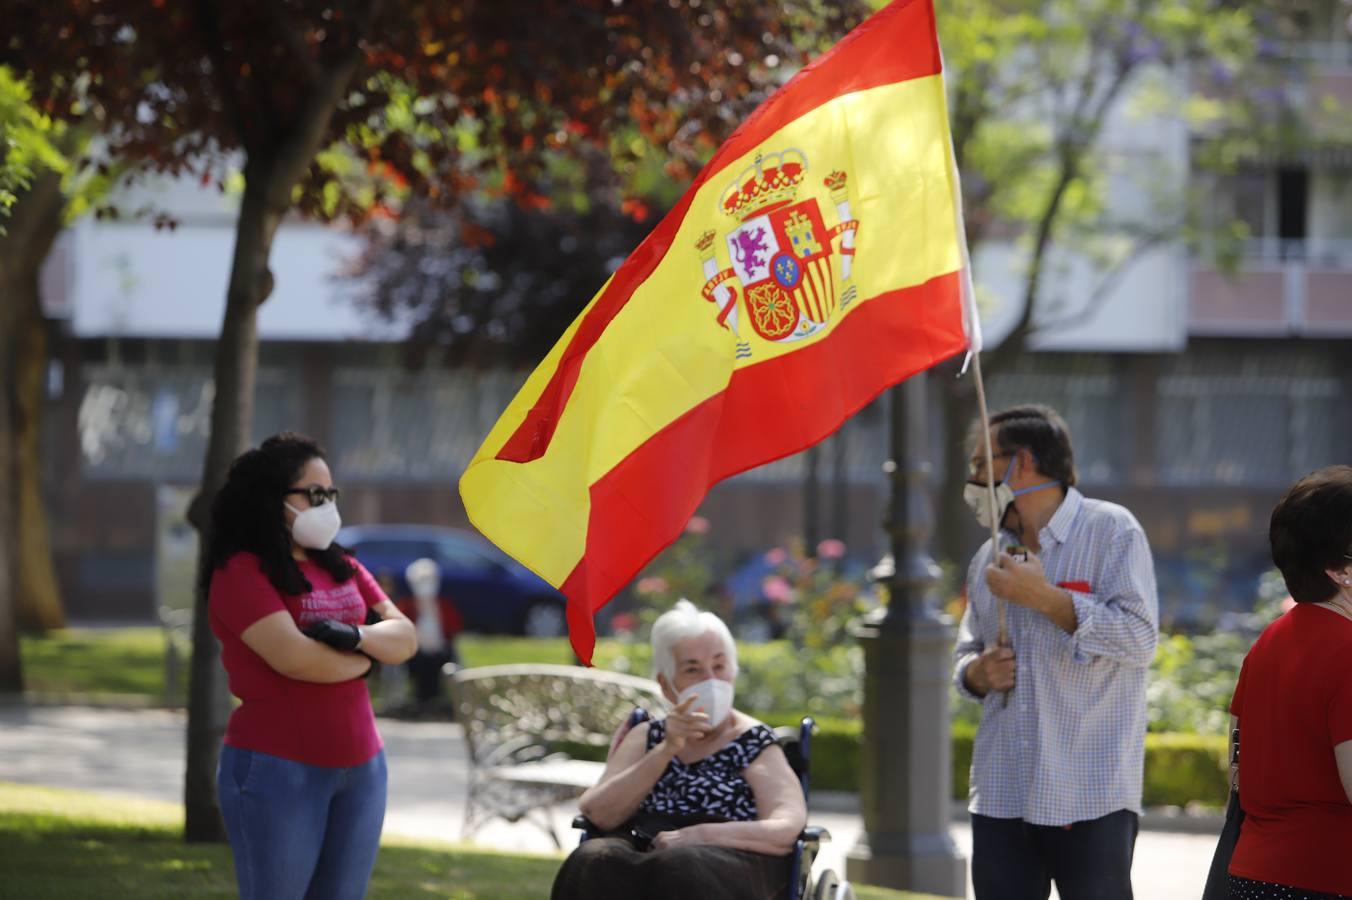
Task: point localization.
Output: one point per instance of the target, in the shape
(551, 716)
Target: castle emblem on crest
(793, 276)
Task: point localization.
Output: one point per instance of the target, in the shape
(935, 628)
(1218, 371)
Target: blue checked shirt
(1070, 746)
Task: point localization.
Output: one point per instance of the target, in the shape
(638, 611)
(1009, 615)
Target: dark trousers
(1012, 860)
(425, 671)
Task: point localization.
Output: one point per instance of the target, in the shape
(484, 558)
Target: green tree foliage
(25, 142)
(1036, 88)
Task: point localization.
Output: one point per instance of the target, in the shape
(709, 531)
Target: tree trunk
(235, 375)
(30, 230)
(270, 175)
(39, 597)
(11, 672)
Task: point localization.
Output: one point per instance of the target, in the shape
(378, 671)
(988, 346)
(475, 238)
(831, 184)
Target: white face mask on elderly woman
(713, 697)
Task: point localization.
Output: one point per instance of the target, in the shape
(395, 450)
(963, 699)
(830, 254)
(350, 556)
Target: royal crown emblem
(792, 275)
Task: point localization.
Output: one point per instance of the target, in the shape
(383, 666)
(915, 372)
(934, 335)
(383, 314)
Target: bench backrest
(507, 710)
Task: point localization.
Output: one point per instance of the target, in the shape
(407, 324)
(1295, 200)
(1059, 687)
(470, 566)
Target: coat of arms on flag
(794, 271)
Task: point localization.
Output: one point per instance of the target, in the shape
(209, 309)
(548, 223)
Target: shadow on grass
(49, 857)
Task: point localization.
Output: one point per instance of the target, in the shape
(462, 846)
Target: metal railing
(1331, 53)
(1334, 253)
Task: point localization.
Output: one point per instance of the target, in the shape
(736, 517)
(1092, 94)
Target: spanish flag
(817, 260)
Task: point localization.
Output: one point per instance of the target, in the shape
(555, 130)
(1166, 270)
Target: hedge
(1180, 769)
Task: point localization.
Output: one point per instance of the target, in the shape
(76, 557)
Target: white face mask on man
(975, 494)
(713, 697)
(316, 527)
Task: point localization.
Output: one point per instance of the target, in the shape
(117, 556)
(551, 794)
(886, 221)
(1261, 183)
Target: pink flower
(831, 549)
(776, 589)
(776, 557)
(653, 584)
(623, 623)
(697, 525)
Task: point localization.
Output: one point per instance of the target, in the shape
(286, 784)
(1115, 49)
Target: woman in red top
(1293, 708)
(302, 774)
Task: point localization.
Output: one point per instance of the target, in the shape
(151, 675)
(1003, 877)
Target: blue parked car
(493, 592)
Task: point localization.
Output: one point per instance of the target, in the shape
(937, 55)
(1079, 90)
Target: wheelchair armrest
(815, 834)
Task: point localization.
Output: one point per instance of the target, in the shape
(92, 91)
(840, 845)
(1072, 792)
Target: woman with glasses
(302, 774)
(1293, 708)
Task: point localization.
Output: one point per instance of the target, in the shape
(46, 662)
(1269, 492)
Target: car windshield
(462, 555)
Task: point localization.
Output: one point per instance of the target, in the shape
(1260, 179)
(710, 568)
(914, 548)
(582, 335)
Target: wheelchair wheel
(830, 887)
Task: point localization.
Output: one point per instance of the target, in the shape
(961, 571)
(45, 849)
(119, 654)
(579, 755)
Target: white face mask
(974, 495)
(713, 697)
(977, 501)
(316, 527)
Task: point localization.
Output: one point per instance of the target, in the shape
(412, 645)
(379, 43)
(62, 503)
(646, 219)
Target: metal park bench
(520, 723)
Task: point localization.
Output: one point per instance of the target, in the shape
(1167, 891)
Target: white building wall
(125, 278)
(1145, 308)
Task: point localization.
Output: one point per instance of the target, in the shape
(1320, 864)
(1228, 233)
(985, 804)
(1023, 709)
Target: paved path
(140, 753)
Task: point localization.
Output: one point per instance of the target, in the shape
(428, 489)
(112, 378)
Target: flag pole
(1000, 603)
(990, 484)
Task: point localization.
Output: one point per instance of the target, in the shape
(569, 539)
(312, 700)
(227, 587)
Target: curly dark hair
(1311, 532)
(246, 515)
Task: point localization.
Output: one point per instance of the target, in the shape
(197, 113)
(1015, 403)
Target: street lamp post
(906, 775)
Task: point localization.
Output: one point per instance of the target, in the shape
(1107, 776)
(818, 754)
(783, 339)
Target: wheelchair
(797, 746)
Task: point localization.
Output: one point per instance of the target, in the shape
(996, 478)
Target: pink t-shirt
(318, 724)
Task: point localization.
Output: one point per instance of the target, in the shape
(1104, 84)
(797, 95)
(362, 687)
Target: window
(459, 556)
(152, 422)
(1088, 397)
(390, 425)
(1246, 429)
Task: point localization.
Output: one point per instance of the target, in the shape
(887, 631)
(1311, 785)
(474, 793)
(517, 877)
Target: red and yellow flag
(817, 260)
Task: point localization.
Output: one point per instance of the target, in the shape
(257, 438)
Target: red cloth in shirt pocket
(1079, 587)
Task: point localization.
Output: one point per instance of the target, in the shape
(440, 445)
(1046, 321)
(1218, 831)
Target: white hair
(680, 624)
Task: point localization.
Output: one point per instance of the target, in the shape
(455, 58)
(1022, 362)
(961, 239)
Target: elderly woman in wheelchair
(703, 803)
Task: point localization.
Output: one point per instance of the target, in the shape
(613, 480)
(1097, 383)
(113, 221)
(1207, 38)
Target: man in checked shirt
(1056, 769)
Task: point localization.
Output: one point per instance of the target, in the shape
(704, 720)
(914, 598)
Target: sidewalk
(141, 753)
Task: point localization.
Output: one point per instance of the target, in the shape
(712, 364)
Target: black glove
(338, 635)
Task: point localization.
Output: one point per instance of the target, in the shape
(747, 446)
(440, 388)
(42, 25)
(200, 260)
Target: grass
(130, 662)
(116, 661)
(61, 844)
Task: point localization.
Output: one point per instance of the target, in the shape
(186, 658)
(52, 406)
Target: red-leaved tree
(429, 98)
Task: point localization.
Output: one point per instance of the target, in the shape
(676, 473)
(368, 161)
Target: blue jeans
(301, 832)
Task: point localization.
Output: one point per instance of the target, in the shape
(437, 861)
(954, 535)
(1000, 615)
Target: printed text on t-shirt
(343, 603)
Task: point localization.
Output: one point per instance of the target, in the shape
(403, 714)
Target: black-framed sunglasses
(317, 496)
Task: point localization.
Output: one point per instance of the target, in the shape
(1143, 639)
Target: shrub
(1180, 769)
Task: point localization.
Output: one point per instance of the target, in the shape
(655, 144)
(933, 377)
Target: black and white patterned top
(713, 786)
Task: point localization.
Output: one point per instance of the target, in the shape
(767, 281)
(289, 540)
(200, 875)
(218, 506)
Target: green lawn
(130, 661)
(121, 661)
(62, 844)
